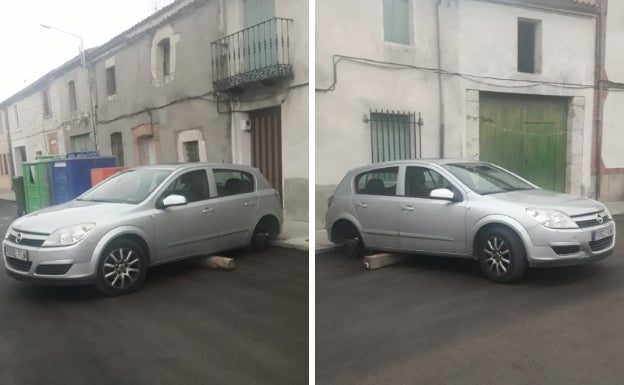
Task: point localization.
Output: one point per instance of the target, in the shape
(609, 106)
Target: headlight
(552, 219)
(68, 235)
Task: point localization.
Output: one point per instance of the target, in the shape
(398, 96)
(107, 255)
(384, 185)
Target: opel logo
(599, 218)
(18, 239)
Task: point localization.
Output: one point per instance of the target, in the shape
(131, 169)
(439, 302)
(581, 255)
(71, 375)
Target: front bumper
(550, 248)
(63, 265)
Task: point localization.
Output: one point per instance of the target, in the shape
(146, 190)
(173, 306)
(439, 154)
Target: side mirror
(172, 200)
(445, 194)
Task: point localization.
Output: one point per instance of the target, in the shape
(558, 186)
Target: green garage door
(525, 134)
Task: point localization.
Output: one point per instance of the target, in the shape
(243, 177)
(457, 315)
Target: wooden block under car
(219, 262)
(376, 261)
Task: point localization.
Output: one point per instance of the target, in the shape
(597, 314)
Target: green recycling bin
(17, 185)
(37, 182)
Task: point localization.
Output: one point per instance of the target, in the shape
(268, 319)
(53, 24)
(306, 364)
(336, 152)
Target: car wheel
(502, 255)
(354, 247)
(260, 240)
(121, 269)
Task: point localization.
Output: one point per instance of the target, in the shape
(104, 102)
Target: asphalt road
(188, 325)
(438, 321)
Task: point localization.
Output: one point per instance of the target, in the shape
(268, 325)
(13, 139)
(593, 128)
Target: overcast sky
(30, 51)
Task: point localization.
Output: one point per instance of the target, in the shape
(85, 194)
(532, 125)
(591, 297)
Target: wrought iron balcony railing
(257, 53)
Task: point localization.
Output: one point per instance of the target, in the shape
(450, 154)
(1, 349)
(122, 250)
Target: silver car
(143, 217)
(467, 209)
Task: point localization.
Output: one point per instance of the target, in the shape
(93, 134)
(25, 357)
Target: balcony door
(260, 34)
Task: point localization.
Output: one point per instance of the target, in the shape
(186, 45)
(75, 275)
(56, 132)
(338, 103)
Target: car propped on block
(142, 217)
(467, 209)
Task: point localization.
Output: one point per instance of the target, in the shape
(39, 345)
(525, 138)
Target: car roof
(180, 166)
(422, 161)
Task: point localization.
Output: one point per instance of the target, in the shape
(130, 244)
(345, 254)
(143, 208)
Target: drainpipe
(440, 88)
(600, 64)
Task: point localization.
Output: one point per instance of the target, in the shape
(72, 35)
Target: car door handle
(207, 210)
(407, 208)
(362, 205)
(249, 203)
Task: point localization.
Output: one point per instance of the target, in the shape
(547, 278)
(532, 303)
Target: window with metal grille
(391, 135)
(396, 21)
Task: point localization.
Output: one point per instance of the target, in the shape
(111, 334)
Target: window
(191, 151)
(111, 85)
(164, 57)
(71, 94)
(6, 164)
(1, 123)
(193, 186)
(16, 116)
(382, 181)
(420, 181)
(117, 148)
(391, 135)
(396, 21)
(529, 46)
(45, 99)
(80, 142)
(233, 182)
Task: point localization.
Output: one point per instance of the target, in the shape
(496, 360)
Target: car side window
(193, 185)
(233, 182)
(381, 181)
(420, 181)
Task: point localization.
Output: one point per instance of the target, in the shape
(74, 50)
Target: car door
(236, 205)
(428, 224)
(189, 229)
(376, 206)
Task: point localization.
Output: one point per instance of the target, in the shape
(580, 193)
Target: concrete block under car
(219, 262)
(376, 261)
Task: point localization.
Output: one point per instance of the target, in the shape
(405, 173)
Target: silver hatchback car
(143, 217)
(467, 209)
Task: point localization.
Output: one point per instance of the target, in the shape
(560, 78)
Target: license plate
(602, 233)
(16, 253)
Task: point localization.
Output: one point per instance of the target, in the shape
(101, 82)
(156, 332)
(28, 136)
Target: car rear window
(382, 181)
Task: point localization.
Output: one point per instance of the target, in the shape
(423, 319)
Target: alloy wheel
(498, 259)
(122, 267)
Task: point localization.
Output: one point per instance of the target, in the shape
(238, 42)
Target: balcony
(257, 54)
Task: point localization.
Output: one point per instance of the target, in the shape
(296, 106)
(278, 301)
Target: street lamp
(86, 70)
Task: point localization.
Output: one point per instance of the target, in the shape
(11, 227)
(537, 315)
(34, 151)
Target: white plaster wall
(613, 135)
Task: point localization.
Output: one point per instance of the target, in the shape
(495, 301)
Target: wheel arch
(130, 233)
(344, 228)
(270, 223)
(499, 221)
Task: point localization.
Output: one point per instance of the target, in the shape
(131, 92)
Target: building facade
(167, 92)
(199, 80)
(503, 81)
(51, 116)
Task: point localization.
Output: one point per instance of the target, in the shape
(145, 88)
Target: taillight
(279, 199)
(330, 200)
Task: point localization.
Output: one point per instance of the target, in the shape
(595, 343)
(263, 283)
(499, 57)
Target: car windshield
(131, 186)
(484, 178)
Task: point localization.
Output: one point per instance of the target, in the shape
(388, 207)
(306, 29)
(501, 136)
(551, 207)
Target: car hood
(74, 212)
(569, 204)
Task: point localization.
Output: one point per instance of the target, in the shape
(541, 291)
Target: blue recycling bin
(71, 176)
